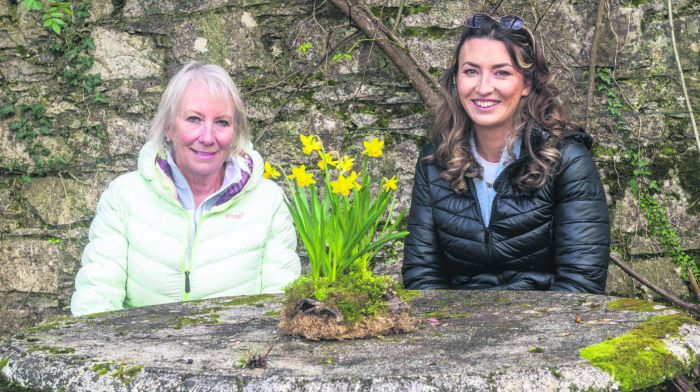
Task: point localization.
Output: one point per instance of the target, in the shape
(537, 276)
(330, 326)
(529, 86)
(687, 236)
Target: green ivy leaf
(304, 47)
(32, 5)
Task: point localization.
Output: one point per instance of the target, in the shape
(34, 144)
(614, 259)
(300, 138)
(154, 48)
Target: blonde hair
(218, 81)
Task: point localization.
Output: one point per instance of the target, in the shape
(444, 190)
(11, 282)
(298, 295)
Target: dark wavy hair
(452, 128)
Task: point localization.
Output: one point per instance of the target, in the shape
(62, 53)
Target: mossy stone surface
(640, 358)
(482, 341)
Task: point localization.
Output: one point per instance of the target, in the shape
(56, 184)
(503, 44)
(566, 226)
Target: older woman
(197, 219)
(507, 195)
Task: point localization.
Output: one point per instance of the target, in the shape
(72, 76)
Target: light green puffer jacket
(138, 243)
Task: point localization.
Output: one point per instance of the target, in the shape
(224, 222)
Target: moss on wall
(639, 358)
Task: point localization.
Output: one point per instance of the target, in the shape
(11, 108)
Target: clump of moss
(51, 349)
(356, 295)
(3, 362)
(49, 325)
(126, 374)
(445, 313)
(639, 358)
(248, 300)
(406, 294)
(358, 305)
(636, 304)
(182, 321)
(101, 368)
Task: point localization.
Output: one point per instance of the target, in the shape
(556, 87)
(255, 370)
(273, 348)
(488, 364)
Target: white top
(490, 169)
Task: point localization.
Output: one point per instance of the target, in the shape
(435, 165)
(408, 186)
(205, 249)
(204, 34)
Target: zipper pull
(187, 281)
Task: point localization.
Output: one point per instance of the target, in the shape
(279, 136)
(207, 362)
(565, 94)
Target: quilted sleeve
(422, 265)
(581, 224)
(280, 265)
(100, 284)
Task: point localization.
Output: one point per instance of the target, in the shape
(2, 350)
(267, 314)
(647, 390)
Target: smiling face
(489, 85)
(201, 134)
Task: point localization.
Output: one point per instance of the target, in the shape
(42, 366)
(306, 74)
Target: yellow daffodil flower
(302, 177)
(353, 178)
(326, 159)
(270, 171)
(342, 185)
(390, 184)
(345, 164)
(373, 148)
(310, 143)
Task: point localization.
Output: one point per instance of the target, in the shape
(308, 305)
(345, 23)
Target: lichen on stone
(248, 300)
(182, 321)
(636, 304)
(51, 349)
(639, 358)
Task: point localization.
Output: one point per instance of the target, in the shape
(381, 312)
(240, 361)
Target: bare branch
(593, 60)
(373, 29)
(665, 294)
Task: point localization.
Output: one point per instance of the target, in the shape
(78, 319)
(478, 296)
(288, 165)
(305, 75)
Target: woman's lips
(203, 155)
(485, 104)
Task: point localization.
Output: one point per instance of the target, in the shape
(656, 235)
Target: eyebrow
(197, 112)
(502, 65)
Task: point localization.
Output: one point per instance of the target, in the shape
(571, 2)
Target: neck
(490, 143)
(202, 187)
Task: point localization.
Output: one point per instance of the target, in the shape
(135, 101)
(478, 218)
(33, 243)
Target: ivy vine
(72, 51)
(643, 187)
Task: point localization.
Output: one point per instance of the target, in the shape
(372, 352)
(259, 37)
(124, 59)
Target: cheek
(225, 138)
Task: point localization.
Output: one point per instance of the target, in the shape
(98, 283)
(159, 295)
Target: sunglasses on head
(511, 22)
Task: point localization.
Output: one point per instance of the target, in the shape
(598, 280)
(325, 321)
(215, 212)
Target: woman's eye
(222, 123)
(503, 73)
(470, 72)
(193, 119)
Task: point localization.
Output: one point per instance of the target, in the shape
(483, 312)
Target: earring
(454, 87)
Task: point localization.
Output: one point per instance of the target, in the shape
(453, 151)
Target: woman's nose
(485, 86)
(206, 135)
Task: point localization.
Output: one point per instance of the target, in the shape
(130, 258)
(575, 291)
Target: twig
(665, 294)
(303, 80)
(25, 299)
(680, 71)
(369, 24)
(399, 13)
(594, 59)
(693, 283)
(496, 7)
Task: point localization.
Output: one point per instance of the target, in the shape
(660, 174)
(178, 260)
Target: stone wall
(52, 175)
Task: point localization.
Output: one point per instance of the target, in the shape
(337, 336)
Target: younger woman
(507, 195)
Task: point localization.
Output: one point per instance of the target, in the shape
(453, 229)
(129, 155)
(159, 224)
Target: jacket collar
(159, 175)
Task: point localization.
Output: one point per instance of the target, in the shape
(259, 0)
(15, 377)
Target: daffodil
(270, 171)
(353, 178)
(311, 143)
(342, 185)
(345, 163)
(390, 183)
(302, 177)
(373, 148)
(326, 159)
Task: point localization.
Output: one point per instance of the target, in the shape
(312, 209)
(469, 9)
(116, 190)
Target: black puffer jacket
(555, 238)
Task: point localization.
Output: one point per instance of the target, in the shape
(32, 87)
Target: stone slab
(477, 340)
(29, 265)
(120, 55)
